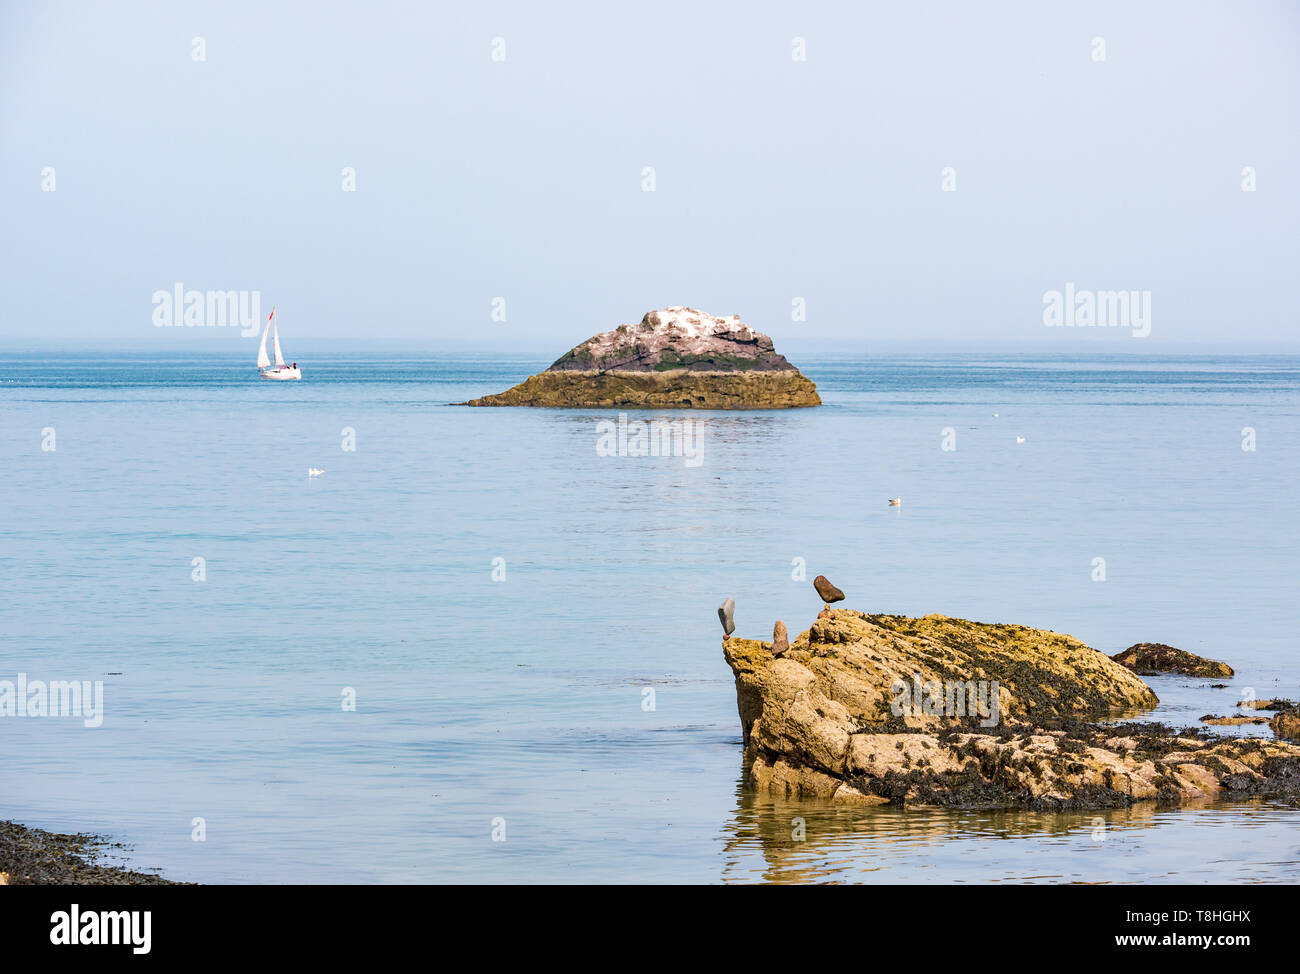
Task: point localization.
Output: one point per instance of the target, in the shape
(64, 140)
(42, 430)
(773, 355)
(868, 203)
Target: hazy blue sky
(776, 178)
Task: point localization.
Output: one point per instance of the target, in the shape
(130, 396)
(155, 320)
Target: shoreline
(35, 857)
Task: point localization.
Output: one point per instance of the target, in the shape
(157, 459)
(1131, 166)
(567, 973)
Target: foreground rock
(873, 709)
(32, 856)
(1154, 659)
(677, 358)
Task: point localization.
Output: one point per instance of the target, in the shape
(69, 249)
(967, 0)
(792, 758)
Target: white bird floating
(314, 472)
(896, 502)
(995, 415)
(1020, 439)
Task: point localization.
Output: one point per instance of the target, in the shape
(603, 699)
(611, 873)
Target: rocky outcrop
(677, 358)
(874, 709)
(1231, 721)
(1286, 725)
(1154, 659)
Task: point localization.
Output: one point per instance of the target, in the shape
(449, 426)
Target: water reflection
(781, 840)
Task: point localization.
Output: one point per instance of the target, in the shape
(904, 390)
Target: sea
(482, 647)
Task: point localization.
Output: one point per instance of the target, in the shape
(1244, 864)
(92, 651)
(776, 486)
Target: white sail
(281, 371)
(262, 361)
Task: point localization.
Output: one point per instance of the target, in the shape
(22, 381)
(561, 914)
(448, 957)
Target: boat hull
(281, 374)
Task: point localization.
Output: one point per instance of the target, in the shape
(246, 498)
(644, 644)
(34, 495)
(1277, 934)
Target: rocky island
(875, 709)
(1153, 659)
(677, 358)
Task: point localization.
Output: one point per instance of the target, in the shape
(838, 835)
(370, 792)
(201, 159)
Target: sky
(921, 177)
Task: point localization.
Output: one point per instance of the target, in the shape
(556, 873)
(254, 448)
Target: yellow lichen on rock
(851, 661)
(836, 717)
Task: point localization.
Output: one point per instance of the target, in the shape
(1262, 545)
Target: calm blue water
(522, 699)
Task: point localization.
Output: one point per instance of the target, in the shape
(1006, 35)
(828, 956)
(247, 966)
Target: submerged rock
(1153, 659)
(1231, 721)
(867, 709)
(677, 358)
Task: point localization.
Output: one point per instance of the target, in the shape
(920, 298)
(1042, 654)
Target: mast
(275, 340)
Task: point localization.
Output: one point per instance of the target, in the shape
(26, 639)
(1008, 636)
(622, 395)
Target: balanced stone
(780, 639)
(727, 614)
(826, 590)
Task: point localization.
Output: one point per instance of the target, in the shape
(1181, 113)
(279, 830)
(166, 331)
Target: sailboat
(281, 371)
